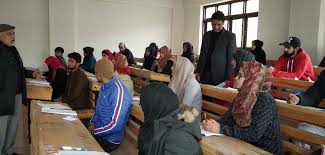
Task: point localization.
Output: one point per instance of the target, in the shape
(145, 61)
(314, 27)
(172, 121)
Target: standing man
(12, 88)
(125, 51)
(218, 47)
(59, 54)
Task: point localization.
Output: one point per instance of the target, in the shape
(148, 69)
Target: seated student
(188, 52)
(164, 130)
(322, 63)
(113, 108)
(89, 61)
(107, 54)
(59, 54)
(57, 76)
(254, 117)
(150, 61)
(122, 71)
(125, 51)
(164, 63)
(76, 93)
(294, 63)
(258, 51)
(184, 84)
(310, 98)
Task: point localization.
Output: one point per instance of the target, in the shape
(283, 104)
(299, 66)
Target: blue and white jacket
(113, 108)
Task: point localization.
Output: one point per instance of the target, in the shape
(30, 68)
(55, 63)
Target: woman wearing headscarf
(184, 84)
(122, 71)
(150, 61)
(164, 130)
(107, 54)
(258, 51)
(164, 63)
(89, 61)
(57, 76)
(254, 117)
(188, 51)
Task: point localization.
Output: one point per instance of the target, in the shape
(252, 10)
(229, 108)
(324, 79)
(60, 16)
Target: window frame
(230, 18)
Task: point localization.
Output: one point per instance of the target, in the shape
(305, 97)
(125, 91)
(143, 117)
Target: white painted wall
(104, 23)
(31, 20)
(273, 26)
(305, 24)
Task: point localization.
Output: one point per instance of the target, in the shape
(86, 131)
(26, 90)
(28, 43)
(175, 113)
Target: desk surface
(50, 131)
(38, 91)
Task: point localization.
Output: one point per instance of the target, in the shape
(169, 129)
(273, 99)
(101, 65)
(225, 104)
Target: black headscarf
(88, 53)
(149, 60)
(259, 52)
(322, 63)
(157, 101)
(155, 47)
(189, 53)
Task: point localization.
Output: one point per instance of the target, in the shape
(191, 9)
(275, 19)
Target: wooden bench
(142, 77)
(282, 83)
(287, 112)
(50, 132)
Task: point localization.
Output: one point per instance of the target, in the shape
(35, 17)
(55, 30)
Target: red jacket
(299, 67)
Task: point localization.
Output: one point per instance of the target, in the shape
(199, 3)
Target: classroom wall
(32, 28)
(104, 23)
(305, 25)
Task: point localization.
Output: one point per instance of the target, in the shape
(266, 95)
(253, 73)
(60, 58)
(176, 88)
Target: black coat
(129, 56)
(219, 66)
(10, 79)
(315, 93)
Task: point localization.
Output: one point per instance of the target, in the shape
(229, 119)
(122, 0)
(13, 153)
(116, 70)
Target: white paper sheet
(54, 106)
(70, 118)
(80, 153)
(136, 98)
(59, 112)
(207, 133)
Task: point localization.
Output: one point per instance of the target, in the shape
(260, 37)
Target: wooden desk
(37, 92)
(214, 145)
(51, 130)
(222, 145)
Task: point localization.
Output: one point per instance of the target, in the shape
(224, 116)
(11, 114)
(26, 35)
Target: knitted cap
(105, 68)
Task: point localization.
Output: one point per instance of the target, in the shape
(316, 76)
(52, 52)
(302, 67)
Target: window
(241, 18)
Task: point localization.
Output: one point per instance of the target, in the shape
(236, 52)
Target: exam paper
(59, 112)
(207, 133)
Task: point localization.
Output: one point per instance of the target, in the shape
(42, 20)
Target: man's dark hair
(88, 50)
(59, 49)
(218, 16)
(76, 56)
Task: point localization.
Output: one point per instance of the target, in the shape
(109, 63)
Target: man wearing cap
(125, 51)
(12, 87)
(294, 63)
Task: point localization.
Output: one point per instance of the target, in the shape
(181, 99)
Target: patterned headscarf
(164, 57)
(257, 80)
(121, 64)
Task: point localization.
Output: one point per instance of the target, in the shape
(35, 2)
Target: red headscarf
(121, 64)
(109, 53)
(54, 63)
